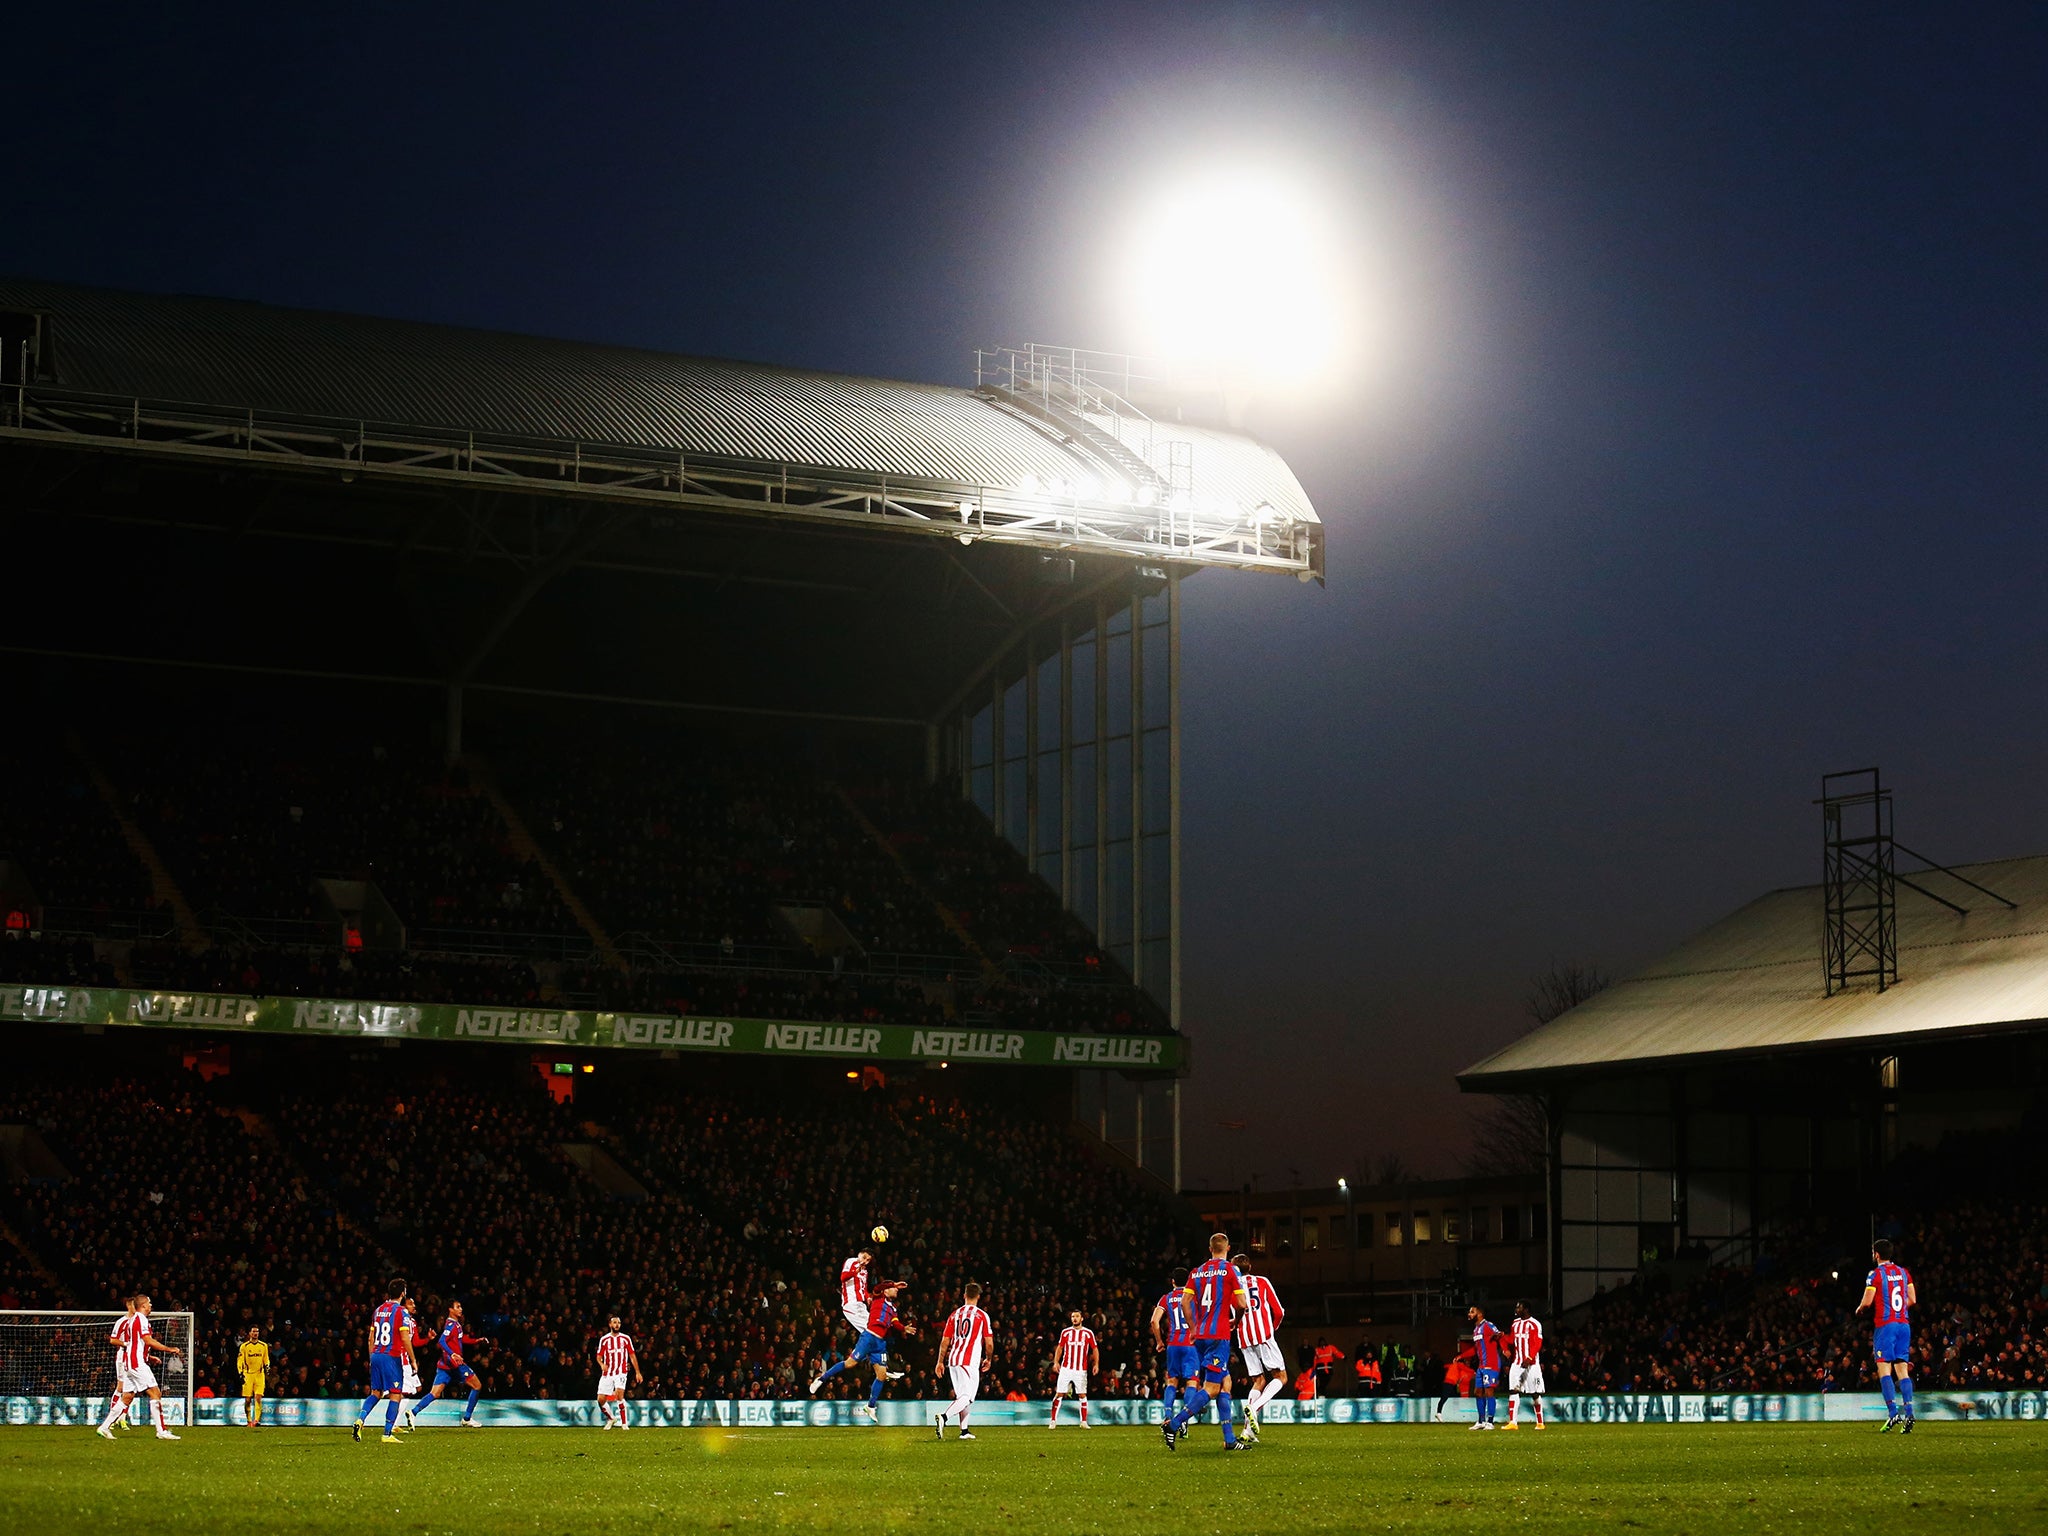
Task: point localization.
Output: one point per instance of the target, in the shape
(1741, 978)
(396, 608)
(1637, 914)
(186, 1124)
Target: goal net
(58, 1367)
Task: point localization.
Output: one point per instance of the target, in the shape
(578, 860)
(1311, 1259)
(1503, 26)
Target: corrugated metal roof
(1753, 982)
(241, 355)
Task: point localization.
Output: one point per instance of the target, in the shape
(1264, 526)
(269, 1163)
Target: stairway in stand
(946, 914)
(523, 844)
(165, 889)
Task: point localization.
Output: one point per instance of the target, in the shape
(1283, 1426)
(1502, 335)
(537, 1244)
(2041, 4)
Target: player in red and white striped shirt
(133, 1344)
(1076, 1358)
(1525, 1366)
(1263, 1356)
(961, 1342)
(615, 1356)
(854, 1296)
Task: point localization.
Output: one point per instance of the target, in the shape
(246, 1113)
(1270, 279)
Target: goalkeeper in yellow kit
(252, 1360)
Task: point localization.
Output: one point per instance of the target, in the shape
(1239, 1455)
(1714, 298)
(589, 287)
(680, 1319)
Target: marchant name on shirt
(1103, 1051)
(823, 1039)
(967, 1044)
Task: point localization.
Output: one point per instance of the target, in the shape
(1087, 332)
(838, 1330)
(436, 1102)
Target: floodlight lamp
(966, 510)
(1147, 495)
(1087, 488)
(1028, 486)
(1237, 271)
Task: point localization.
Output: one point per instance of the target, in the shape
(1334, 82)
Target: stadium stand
(691, 849)
(283, 1191)
(249, 831)
(172, 1192)
(1785, 1321)
(699, 842)
(55, 826)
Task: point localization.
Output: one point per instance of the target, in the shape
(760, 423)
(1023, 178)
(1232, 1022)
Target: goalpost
(57, 1367)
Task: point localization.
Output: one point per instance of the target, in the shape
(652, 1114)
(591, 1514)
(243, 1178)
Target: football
(880, 1234)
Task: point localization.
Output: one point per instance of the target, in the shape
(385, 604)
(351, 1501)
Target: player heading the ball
(873, 1347)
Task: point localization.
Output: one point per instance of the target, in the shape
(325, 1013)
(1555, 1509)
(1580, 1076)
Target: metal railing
(1068, 518)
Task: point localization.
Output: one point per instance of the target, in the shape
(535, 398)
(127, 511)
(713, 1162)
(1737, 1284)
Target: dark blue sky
(1703, 448)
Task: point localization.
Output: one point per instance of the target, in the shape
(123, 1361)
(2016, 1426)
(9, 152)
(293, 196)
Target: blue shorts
(1215, 1358)
(387, 1373)
(462, 1372)
(1894, 1342)
(1181, 1363)
(1485, 1381)
(869, 1350)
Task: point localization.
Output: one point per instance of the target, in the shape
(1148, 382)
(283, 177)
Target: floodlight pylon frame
(1859, 881)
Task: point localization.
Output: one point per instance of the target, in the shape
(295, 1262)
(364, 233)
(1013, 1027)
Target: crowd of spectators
(285, 1199)
(468, 1180)
(394, 976)
(701, 843)
(249, 831)
(818, 994)
(58, 831)
(171, 1192)
(979, 1191)
(1787, 1322)
(39, 959)
(690, 851)
(1058, 976)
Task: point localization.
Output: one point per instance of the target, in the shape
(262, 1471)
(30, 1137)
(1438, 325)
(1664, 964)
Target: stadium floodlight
(1237, 270)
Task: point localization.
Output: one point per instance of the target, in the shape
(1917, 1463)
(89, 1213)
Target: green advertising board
(583, 1029)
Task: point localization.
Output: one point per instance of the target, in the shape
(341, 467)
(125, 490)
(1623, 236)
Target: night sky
(1696, 444)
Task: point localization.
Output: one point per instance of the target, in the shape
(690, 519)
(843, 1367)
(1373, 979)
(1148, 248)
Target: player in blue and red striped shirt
(1214, 1294)
(1485, 1366)
(873, 1347)
(454, 1367)
(390, 1353)
(1170, 1325)
(1890, 1290)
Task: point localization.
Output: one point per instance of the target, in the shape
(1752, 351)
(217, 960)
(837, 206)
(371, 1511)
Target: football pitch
(1696, 1479)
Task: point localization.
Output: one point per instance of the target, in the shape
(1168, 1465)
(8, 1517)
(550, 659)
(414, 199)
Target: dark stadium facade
(506, 536)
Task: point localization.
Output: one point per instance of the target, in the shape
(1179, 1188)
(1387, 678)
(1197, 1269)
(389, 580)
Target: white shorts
(966, 1382)
(1072, 1381)
(409, 1383)
(855, 1314)
(1526, 1378)
(1265, 1359)
(608, 1386)
(135, 1378)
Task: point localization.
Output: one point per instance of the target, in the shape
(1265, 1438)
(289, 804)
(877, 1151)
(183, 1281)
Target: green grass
(1697, 1479)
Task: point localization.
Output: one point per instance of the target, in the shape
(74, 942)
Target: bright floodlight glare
(1239, 270)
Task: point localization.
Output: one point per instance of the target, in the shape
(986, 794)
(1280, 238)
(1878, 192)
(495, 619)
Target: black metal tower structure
(1859, 880)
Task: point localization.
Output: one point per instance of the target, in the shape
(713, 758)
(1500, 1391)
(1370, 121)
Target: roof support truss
(656, 479)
